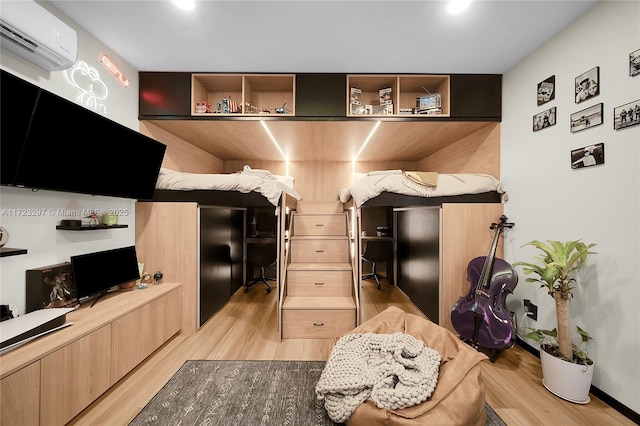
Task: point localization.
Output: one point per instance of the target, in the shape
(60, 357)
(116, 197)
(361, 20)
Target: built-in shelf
(243, 95)
(6, 251)
(90, 227)
(401, 93)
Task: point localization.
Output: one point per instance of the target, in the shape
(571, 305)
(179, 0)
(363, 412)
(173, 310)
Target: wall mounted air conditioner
(31, 31)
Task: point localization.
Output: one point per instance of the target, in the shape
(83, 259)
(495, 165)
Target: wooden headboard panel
(180, 155)
(478, 152)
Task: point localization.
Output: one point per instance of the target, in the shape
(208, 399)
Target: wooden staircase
(319, 298)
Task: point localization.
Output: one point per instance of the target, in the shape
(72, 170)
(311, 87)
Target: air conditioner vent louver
(30, 31)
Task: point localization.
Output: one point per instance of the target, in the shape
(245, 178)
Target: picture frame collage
(587, 87)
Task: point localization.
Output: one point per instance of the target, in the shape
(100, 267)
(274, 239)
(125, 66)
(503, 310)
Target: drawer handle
(319, 283)
(319, 251)
(319, 224)
(318, 324)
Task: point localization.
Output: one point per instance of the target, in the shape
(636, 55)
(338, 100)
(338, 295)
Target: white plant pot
(565, 379)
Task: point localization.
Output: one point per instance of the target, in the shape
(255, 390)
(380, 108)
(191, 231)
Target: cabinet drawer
(320, 250)
(74, 376)
(319, 283)
(320, 225)
(20, 402)
(317, 323)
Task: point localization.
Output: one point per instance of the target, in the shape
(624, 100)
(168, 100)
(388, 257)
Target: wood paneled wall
(478, 152)
(180, 155)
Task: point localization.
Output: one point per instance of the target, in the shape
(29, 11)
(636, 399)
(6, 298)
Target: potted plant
(560, 359)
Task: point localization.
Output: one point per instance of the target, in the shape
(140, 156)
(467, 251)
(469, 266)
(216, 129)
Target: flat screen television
(18, 99)
(96, 273)
(69, 148)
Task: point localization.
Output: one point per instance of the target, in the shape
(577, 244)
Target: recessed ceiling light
(456, 6)
(185, 4)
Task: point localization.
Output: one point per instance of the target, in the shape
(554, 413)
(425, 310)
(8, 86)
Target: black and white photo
(626, 115)
(586, 118)
(545, 119)
(634, 63)
(587, 156)
(588, 85)
(547, 90)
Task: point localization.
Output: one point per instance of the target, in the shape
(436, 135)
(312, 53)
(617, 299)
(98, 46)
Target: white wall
(38, 234)
(600, 204)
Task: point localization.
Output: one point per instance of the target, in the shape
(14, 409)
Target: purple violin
(481, 316)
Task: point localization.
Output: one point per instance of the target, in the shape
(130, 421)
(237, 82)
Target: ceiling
(354, 36)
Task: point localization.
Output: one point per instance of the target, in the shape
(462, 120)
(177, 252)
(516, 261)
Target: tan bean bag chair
(459, 396)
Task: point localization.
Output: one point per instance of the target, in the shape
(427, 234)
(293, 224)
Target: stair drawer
(319, 283)
(320, 225)
(317, 323)
(320, 250)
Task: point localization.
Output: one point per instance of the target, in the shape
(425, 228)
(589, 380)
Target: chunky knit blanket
(393, 370)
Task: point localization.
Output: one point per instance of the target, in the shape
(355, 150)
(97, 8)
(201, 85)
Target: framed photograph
(587, 156)
(634, 63)
(626, 115)
(588, 85)
(545, 119)
(547, 90)
(586, 118)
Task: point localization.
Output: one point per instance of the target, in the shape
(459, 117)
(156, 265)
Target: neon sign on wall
(114, 70)
(92, 91)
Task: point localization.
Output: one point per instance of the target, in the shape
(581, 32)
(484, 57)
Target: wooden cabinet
(164, 94)
(139, 333)
(243, 94)
(171, 95)
(74, 376)
(50, 380)
(20, 404)
(476, 96)
(396, 95)
(167, 239)
(433, 246)
(320, 95)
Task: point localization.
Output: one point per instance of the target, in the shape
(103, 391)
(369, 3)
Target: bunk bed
(203, 222)
(437, 223)
(249, 187)
(397, 188)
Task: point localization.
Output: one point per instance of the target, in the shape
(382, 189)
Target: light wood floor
(245, 328)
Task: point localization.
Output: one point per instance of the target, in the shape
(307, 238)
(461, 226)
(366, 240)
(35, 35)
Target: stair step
(319, 207)
(316, 303)
(319, 237)
(323, 266)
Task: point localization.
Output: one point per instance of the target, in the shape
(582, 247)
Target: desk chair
(260, 255)
(377, 251)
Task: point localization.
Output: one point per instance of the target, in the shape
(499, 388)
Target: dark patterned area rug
(252, 393)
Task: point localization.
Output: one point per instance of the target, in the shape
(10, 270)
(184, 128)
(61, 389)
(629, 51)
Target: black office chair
(260, 255)
(377, 251)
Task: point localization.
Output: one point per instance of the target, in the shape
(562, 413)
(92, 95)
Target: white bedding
(374, 183)
(261, 181)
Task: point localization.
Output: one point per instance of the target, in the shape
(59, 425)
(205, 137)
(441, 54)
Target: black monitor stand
(97, 298)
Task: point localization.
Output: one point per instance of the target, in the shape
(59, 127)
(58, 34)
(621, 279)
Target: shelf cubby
(405, 89)
(255, 94)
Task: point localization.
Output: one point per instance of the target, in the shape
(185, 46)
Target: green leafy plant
(555, 270)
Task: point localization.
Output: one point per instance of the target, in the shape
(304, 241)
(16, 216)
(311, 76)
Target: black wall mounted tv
(67, 147)
(96, 273)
